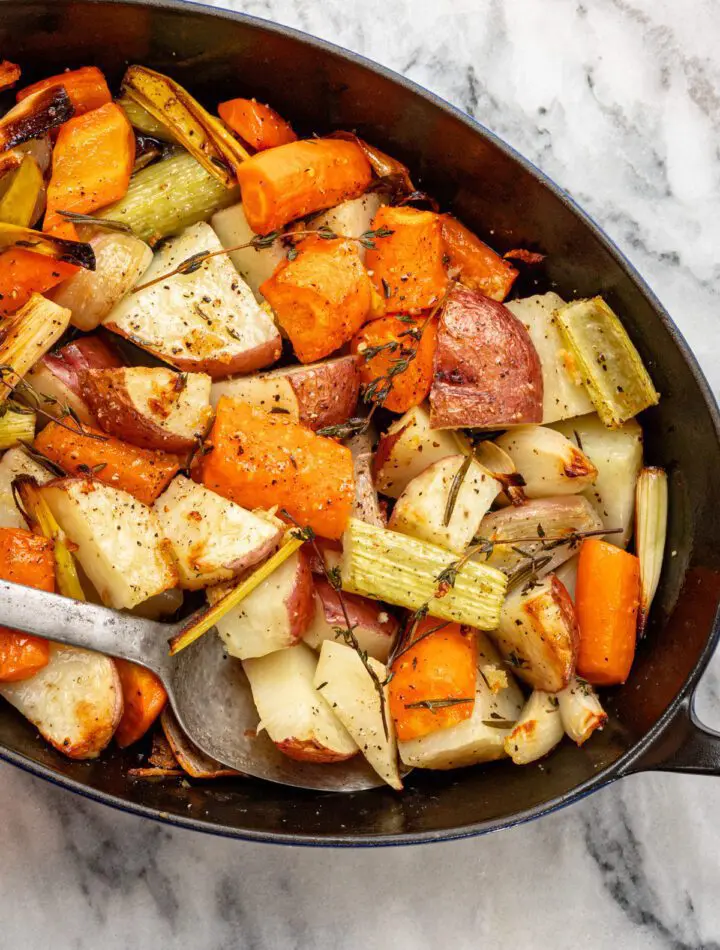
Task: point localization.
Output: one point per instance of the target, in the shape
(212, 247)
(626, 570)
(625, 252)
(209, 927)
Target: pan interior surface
(505, 201)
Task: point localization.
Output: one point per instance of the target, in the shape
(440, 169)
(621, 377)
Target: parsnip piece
(537, 731)
(549, 463)
(119, 540)
(255, 266)
(346, 685)
(580, 710)
(16, 462)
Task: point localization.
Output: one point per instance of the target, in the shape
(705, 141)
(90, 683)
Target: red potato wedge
(316, 395)
(205, 321)
(328, 553)
(374, 628)
(294, 714)
(408, 447)
(537, 731)
(212, 539)
(480, 738)
(487, 373)
(57, 375)
(422, 509)
(549, 463)
(345, 684)
(118, 540)
(367, 504)
(75, 702)
(538, 635)
(153, 407)
(120, 262)
(16, 462)
(274, 616)
(192, 761)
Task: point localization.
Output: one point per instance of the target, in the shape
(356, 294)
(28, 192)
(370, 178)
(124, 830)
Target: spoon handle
(84, 625)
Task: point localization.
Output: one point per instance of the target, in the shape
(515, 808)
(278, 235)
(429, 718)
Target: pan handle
(685, 745)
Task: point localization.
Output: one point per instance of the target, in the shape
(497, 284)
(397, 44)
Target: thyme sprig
(260, 243)
(40, 400)
(306, 533)
(455, 487)
(434, 704)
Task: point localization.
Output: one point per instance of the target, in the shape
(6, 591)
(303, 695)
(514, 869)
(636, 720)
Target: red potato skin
(326, 395)
(113, 408)
(363, 615)
(300, 602)
(308, 750)
(487, 373)
(317, 566)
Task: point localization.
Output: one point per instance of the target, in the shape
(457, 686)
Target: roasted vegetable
(19, 204)
(17, 424)
(9, 74)
(25, 559)
(86, 88)
(580, 710)
(26, 336)
(255, 264)
(476, 265)
(352, 219)
(14, 463)
(537, 731)
(34, 116)
(143, 700)
(549, 463)
(389, 566)
(204, 319)
(24, 273)
(617, 381)
(651, 512)
(374, 628)
(257, 124)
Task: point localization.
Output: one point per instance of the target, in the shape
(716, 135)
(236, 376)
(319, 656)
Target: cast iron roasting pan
(505, 199)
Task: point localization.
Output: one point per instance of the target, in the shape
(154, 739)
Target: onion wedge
(202, 134)
(651, 512)
(71, 252)
(34, 116)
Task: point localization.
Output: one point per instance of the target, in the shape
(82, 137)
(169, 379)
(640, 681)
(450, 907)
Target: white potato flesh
(75, 701)
(120, 544)
(564, 394)
(374, 628)
(351, 218)
(420, 510)
(120, 261)
(408, 447)
(580, 710)
(514, 529)
(537, 731)
(206, 321)
(618, 456)
(293, 713)
(481, 738)
(212, 539)
(366, 505)
(274, 616)
(16, 462)
(549, 463)
(53, 388)
(567, 575)
(255, 266)
(346, 685)
(538, 634)
(272, 392)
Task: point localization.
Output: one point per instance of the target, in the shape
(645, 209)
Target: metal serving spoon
(207, 689)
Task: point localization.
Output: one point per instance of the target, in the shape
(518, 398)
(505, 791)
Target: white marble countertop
(619, 101)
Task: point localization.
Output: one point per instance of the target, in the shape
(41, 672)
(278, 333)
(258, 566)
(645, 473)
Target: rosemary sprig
(40, 401)
(105, 223)
(413, 642)
(455, 487)
(434, 704)
(346, 632)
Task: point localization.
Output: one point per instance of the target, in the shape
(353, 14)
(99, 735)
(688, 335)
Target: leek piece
(140, 119)
(168, 197)
(393, 567)
(616, 379)
(651, 512)
(27, 336)
(20, 200)
(17, 424)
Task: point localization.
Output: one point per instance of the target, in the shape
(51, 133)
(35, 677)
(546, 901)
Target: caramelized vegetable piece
(537, 731)
(92, 162)
(407, 265)
(259, 460)
(9, 74)
(141, 472)
(25, 559)
(321, 298)
(487, 371)
(19, 202)
(296, 179)
(409, 387)
(432, 678)
(257, 124)
(607, 598)
(143, 700)
(478, 266)
(34, 116)
(26, 337)
(86, 88)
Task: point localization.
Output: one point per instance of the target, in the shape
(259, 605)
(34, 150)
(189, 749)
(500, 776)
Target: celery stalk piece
(616, 379)
(393, 567)
(168, 197)
(17, 424)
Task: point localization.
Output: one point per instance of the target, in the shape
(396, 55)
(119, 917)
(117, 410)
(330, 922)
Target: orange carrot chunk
(143, 697)
(260, 459)
(92, 162)
(407, 266)
(296, 179)
(258, 125)
(23, 274)
(478, 266)
(25, 558)
(9, 74)
(410, 387)
(436, 672)
(86, 88)
(141, 472)
(607, 596)
(321, 298)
